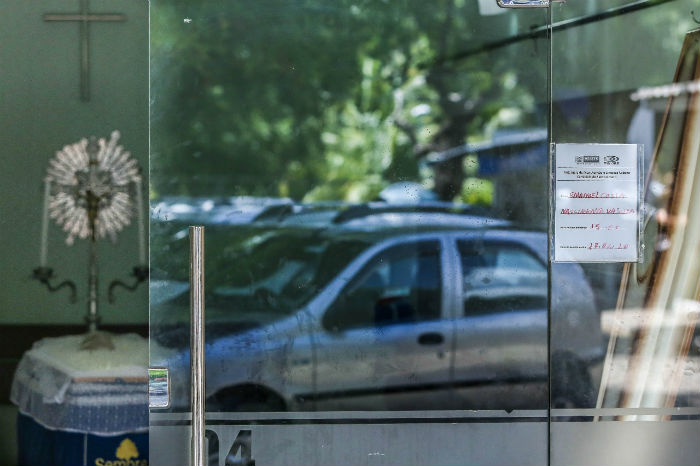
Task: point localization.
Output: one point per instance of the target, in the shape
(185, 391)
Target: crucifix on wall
(84, 18)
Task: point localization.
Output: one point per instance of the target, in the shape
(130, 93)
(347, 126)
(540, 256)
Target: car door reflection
(385, 341)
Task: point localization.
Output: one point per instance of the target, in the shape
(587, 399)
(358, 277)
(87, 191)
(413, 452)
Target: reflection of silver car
(394, 318)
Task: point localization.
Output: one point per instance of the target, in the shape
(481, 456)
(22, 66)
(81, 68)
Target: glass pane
(338, 154)
(630, 76)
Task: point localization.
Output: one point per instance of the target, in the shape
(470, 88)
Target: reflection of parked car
(396, 311)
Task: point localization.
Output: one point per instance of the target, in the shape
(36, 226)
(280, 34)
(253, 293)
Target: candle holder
(92, 189)
(140, 273)
(45, 275)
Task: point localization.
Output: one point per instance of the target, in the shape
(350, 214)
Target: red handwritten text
(605, 245)
(598, 211)
(596, 195)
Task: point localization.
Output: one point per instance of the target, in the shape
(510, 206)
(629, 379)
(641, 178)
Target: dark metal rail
(542, 31)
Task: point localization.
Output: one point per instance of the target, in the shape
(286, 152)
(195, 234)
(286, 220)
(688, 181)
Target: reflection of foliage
(323, 99)
(476, 191)
(335, 99)
(356, 155)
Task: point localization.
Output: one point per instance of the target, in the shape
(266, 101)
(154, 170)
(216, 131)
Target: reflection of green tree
(321, 99)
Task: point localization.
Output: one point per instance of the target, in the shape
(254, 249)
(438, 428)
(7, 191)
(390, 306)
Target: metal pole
(197, 344)
(93, 209)
(92, 317)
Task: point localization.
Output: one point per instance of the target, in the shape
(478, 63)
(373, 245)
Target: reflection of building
(514, 161)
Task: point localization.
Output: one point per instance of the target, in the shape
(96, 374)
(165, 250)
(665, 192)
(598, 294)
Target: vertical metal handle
(197, 344)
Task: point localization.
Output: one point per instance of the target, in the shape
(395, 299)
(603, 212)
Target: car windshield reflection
(280, 274)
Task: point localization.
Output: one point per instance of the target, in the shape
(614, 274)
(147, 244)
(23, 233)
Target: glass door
(373, 182)
(626, 74)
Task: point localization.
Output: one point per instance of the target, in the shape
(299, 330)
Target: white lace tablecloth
(98, 391)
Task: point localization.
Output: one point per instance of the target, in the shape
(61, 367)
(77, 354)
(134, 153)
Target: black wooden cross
(84, 17)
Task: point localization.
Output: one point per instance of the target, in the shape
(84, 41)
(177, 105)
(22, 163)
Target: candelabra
(92, 189)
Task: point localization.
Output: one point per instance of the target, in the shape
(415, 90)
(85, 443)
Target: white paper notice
(596, 202)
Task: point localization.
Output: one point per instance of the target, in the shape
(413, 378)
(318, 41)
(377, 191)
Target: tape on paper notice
(596, 202)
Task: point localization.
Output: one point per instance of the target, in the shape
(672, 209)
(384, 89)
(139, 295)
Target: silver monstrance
(92, 189)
